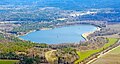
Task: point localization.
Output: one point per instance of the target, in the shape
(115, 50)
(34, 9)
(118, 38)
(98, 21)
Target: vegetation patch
(8, 61)
(51, 56)
(112, 57)
(85, 54)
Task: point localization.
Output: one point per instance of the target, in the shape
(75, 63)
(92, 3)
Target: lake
(65, 34)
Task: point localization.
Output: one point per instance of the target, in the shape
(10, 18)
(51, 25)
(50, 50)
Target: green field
(86, 54)
(113, 57)
(8, 61)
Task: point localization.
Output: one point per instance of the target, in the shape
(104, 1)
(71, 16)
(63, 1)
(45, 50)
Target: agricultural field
(86, 54)
(8, 61)
(113, 57)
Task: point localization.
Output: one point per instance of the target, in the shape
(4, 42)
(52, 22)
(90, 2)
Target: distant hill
(30, 10)
(65, 4)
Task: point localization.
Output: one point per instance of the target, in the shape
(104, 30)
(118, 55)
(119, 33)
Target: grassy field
(8, 61)
(51, 56)
(113, 57)
(86, 54)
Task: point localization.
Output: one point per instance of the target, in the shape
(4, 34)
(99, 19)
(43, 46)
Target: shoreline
(85, 35)
(46, 28)
(33, 31)
(26, 33)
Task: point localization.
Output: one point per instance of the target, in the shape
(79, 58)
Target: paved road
(103, 53)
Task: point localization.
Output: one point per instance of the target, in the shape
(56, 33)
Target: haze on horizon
(63, 4)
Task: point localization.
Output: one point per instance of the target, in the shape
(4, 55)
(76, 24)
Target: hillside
(111, 57)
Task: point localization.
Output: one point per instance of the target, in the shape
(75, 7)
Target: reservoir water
(66, 34)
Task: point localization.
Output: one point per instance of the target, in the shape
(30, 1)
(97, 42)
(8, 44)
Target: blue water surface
(68, 34)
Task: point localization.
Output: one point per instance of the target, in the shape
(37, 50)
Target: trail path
(101, 53)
